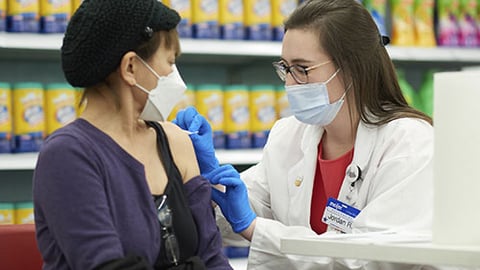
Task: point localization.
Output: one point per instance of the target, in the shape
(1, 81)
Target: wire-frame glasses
(299, 73)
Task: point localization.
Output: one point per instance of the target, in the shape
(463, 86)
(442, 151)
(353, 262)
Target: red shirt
(333, 171)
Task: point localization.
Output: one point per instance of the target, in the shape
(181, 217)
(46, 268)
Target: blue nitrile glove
(234, 201)
(201, 136)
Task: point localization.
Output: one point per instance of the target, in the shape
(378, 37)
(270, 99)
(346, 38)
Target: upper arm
(182, 151)
(71, 208)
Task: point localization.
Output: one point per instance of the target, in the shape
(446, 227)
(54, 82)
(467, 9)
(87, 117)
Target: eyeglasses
(164, 215)
(299, 73)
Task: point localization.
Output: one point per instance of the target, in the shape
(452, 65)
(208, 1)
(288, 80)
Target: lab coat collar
(365, 140)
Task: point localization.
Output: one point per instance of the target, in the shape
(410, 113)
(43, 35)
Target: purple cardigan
(92, 204)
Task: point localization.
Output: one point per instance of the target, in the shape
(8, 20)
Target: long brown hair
(349, 35)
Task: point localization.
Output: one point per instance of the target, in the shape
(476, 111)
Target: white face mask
(164, 96)
(310, 102)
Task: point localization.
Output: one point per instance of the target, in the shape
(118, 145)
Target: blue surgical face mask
(310, 102)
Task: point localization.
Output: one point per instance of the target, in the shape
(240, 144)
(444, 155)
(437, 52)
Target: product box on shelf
(184, 9)
(205, 19)
(59, 106)
(257, 19)
(424, 23)
(262, 113)
(281, 9)
(209, 103)
(467, 23)
(231, 19)
(237, 117)
(24, 213)
(403, 33)
(23, 16)
(7, 213)
(282, 108)
(16, 213)
(378, 9)
(3, 15)
(28, 116)
(447, 22)
(188, 99)
(5, 118)
(54, 15)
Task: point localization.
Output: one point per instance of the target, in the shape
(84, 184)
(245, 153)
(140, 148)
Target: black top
(183, 224)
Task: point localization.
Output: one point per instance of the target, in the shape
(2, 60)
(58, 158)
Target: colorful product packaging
(54, 15)
(467, 23)
(74, 4)
(378, 10)
(23, 16)
(7, 213)
(5, 118)
(477, 20)
(237, 117)
(3, 15)
(262, 113)
(28, 116)
(403, 33)
(184, 9)
(282, 108)
(24, 213)
(281, 9)
(257, 19)
(79, 107)
(209, 103)
(60, 109)
(424, 27)
(205, 19)
(188, 99)
(231, 19)
(448, 31)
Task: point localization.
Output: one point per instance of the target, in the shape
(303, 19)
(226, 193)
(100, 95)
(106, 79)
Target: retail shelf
(239, 157)
(434, 54)
(189, 46)
(247, 48)
(30, 41)
(421, 252)
(27, 161)
(21, 161)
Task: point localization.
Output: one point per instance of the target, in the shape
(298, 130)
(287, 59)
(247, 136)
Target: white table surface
(400, 250)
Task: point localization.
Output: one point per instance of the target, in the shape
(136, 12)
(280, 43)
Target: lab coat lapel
(365, 141)
(301, 177)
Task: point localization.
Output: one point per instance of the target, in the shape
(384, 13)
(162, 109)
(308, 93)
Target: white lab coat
(395, 190)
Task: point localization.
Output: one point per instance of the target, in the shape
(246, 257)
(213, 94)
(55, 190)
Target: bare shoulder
(175, 134)
(182, 151)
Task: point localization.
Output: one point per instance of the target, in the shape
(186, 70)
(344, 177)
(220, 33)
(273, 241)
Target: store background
(228, 46)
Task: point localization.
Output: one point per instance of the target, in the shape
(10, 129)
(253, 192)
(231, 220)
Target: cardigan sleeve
(73, 220)
(198, 192)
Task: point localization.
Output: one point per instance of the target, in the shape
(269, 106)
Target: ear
(129, 67)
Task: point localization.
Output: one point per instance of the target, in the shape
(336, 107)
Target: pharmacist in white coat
(355, 157)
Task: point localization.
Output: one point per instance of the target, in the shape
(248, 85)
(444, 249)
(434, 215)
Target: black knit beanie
(100, 32)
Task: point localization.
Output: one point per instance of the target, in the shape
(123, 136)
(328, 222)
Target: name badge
(339, 215)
